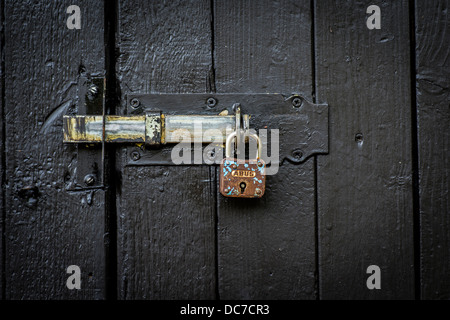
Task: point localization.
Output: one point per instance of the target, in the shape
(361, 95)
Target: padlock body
(242, 178)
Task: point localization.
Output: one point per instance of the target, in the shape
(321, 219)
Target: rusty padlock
(242, 178)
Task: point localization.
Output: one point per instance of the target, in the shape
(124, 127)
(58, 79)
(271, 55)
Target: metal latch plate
(302, 125)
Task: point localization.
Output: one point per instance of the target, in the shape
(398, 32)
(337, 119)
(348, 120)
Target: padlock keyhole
(242, 185)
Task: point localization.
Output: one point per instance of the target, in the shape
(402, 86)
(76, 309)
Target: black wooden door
(379, 197)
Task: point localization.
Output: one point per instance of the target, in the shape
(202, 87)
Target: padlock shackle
(250, 135)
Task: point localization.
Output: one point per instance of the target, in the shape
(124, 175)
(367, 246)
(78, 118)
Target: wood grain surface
(266, 247)
(47, 228)
(166, 242)
(380, 197)
(2, 154)
(365, 194)
(433, 123)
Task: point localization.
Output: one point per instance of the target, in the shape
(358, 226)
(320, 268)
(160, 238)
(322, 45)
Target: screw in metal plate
(211, 102)
(234, 166)
(211, 153)
(258, 191)
(134, 103)
(135, 155)
(89, 179)
(93, 89)
(92, 92)
(297, 154)
(296, 102)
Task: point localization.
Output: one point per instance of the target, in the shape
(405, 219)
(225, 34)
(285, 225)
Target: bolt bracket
(302, 125)
(87, 172)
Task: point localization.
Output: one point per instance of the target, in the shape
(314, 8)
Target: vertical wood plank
(47, 228)
(267, 246)
(263, 46)
(167, 233)
(365, 183)
(2, 153)
(166, 241)
(433, 123)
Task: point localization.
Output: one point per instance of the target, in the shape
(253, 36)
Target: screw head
(135, 155)
(260, 164)
(93, 89)
(211, 153)
(359, 137)
(92, 92)
(89, 179)
(211, 102)
(258, 191)
(134, 103)
(233, 166)
(297, 154)
(296, 102)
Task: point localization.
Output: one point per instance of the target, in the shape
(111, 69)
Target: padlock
(242, 178)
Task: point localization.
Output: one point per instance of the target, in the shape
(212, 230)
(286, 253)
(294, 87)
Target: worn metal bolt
(89, 179)
(211, 102)
(234, 166)
(258, 191)
(260, 164)
(134, 103)
(135, 156)
(297, 102)
(297, 154)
